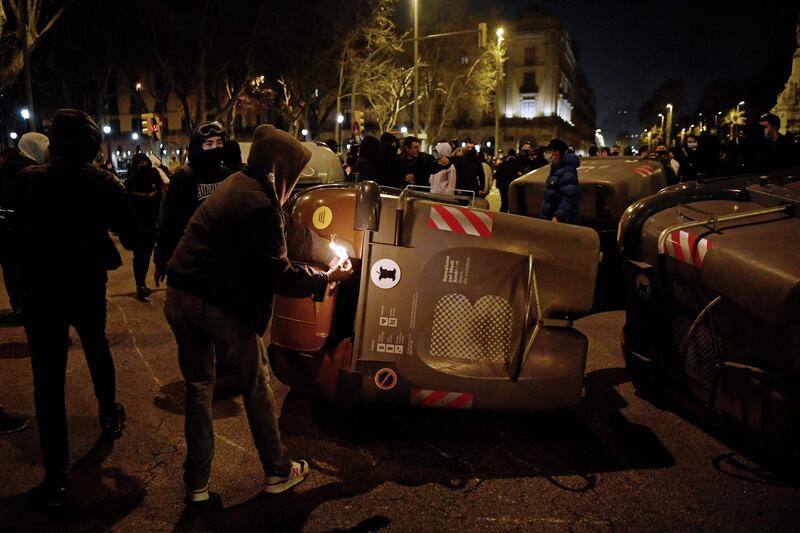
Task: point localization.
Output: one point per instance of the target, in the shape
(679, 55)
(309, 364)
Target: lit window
(528, 107)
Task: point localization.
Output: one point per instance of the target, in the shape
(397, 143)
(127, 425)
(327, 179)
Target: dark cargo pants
(199, 328)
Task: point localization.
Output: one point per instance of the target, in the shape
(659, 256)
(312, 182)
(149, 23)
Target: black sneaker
(111, 425)
(142, 293)
(49, 495)
(12, 424)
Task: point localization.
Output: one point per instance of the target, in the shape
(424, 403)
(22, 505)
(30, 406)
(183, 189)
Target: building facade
(545, 93)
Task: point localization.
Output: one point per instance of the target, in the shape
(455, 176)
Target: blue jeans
(203, 332)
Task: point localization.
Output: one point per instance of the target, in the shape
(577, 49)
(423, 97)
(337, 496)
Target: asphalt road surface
(620, 464)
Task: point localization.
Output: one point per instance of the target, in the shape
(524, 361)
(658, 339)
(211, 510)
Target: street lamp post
(416, 67)
(668, 140)
(500, 33)
(661, 129)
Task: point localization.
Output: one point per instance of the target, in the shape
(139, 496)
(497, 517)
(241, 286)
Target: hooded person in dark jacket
(188, 188)
(562, 196)
(32, 151)
(221, 280)
(389, 174)
(469, 171)
(63, 213)
(144, 190)
(369, 159)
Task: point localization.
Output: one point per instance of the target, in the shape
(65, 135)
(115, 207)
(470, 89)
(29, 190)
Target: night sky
(629, 47)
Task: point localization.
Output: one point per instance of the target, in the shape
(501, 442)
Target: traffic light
(358, 122)
(146, 124)
(483, 30)
(156, 126)
(152, 125)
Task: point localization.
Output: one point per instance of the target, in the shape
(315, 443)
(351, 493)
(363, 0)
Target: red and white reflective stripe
(643, 170)
(441, 399)
(461, 220)
(686, 248)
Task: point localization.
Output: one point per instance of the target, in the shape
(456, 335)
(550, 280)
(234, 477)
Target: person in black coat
(144, 190)
(63, 213)
(369, 160)
(389, 174)
(506, 173)
(469, 171)
(189, 186)
(13, 161)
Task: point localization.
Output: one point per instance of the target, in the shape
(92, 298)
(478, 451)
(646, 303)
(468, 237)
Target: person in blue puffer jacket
(562, 195)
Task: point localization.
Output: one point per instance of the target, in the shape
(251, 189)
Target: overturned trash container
(608, 186)
(454, 307)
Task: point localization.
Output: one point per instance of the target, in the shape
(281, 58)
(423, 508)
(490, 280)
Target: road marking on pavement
(138, 351)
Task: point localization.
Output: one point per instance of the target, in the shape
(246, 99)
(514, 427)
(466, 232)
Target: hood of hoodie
(34, 146)
(444, 149)
(370, 148)
(276, 152)
(203, 160)
(74, 136)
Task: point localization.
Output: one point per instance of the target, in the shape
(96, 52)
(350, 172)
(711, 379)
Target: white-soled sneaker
(278, 484)
(197, 495)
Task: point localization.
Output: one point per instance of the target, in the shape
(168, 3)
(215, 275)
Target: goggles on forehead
(210, 129)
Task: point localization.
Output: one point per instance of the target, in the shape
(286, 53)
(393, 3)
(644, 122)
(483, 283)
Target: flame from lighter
(339, 250)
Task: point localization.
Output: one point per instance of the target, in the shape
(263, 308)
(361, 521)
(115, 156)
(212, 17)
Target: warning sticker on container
(385, 379)
(323, 216)
(687, 248)
(385, 273)
(441, 399)
(461, 220)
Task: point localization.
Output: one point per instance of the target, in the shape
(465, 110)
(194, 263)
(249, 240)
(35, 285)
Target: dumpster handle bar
(713, 220)
(526, 346)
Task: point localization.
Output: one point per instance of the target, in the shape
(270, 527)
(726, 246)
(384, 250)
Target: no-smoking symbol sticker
(385, 379)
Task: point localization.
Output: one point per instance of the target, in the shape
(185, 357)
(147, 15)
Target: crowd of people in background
(461, 165)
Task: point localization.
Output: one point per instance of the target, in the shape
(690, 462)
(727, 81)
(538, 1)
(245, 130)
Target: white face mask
(548, 156)
(691, 146)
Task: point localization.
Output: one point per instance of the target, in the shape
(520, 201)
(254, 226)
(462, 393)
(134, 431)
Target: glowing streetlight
(138, 86)
(13, 135)
(403, 130)
(24, 113)
(106, 129)
(304, 132)
(500, 32)
(740, 104)
(340, 119)
(135, 136)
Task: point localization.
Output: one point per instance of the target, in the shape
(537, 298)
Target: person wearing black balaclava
(63, 213)
(144, 189)
(188, 187)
